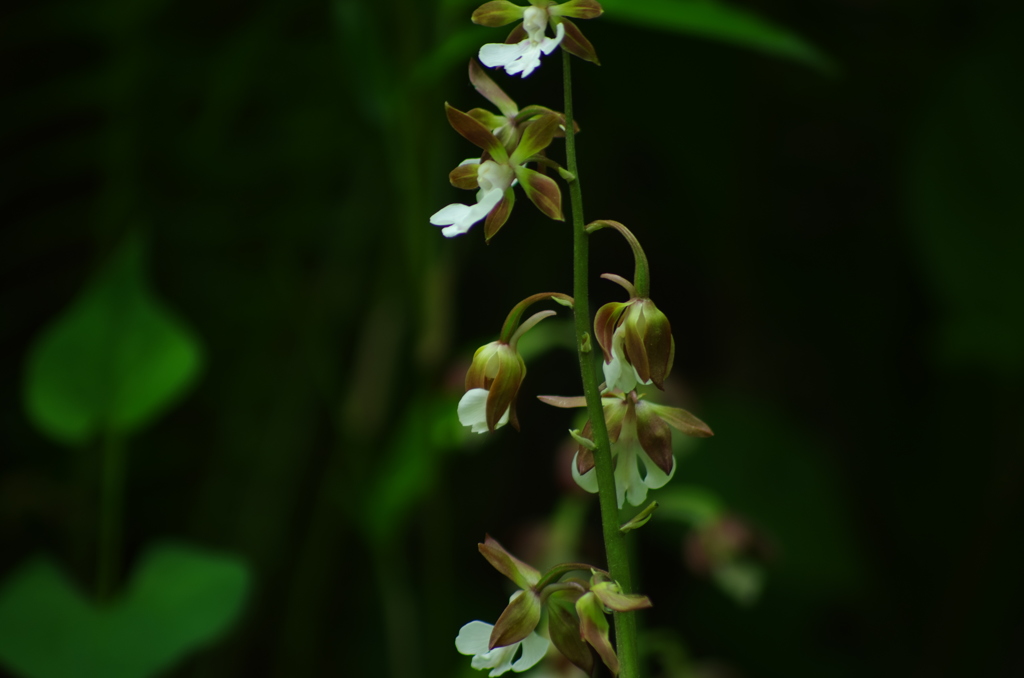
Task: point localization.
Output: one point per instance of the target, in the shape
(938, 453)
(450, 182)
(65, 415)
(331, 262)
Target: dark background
(839, 252)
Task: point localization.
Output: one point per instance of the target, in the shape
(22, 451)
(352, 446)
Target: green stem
(614, 540)
(108, 554)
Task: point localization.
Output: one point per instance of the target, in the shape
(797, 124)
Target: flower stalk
(614, 540)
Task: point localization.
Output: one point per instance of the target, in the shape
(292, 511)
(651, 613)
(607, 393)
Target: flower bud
(492, 382)
(497, 370)
(636, 339)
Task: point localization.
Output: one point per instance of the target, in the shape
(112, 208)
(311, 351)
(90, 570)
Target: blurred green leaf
(112, 361)
(718, 21)
(180, 599)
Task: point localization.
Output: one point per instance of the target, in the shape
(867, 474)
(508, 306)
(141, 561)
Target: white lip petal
(496, 55)
(547, 45)
(655, 477)
(619, 373)
(474, 638)
(628, 483)
(457, 219)
(473, 410)
(534, 649)
(499, 660)
(449, 214)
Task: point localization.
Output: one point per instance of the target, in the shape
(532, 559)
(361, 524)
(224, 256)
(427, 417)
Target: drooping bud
(635, 336)
(497, 371)
(492, 382)
(564, 629)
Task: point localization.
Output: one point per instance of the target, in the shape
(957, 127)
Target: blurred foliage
(839, 257)
(179, 599)
(111, 361)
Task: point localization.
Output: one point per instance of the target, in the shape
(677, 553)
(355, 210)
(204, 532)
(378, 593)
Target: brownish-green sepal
(464, 176)
(658, 338)
(524, 576)
(604, 326)
(576, 43)
(655, 436)
(475, 132)
(497, 13)
(537, 136)
(612, 597)
(615, 413)
(682, 420)
(648, 341)
(518, 620)
(476, 375)
(503, 390)
(486, 118)
(531, 112)
(564, 629)
(542, 192)
(594, 629)
(564, 401)
(490, 90)
(497, 217)
(579, 9)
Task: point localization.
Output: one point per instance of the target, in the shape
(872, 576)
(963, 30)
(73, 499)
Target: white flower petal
(473, 411)
(496, 54)
(547, 45)
(449, 214)
(628, 483)
(474, 638)
(619, 374)
(458, 219)
(588, 481)
(499, 659)
(534, 648)
(655, 477)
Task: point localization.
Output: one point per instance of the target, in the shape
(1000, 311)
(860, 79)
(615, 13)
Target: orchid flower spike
(521, 52)
(640, 434)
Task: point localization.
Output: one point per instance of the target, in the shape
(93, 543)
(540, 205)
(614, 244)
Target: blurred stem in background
(111, 518)
(404, 298)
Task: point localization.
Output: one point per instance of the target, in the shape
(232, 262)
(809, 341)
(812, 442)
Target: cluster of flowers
(635, 338)
(575, 607)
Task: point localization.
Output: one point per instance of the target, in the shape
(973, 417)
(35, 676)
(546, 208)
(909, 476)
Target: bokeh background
(835, 224)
